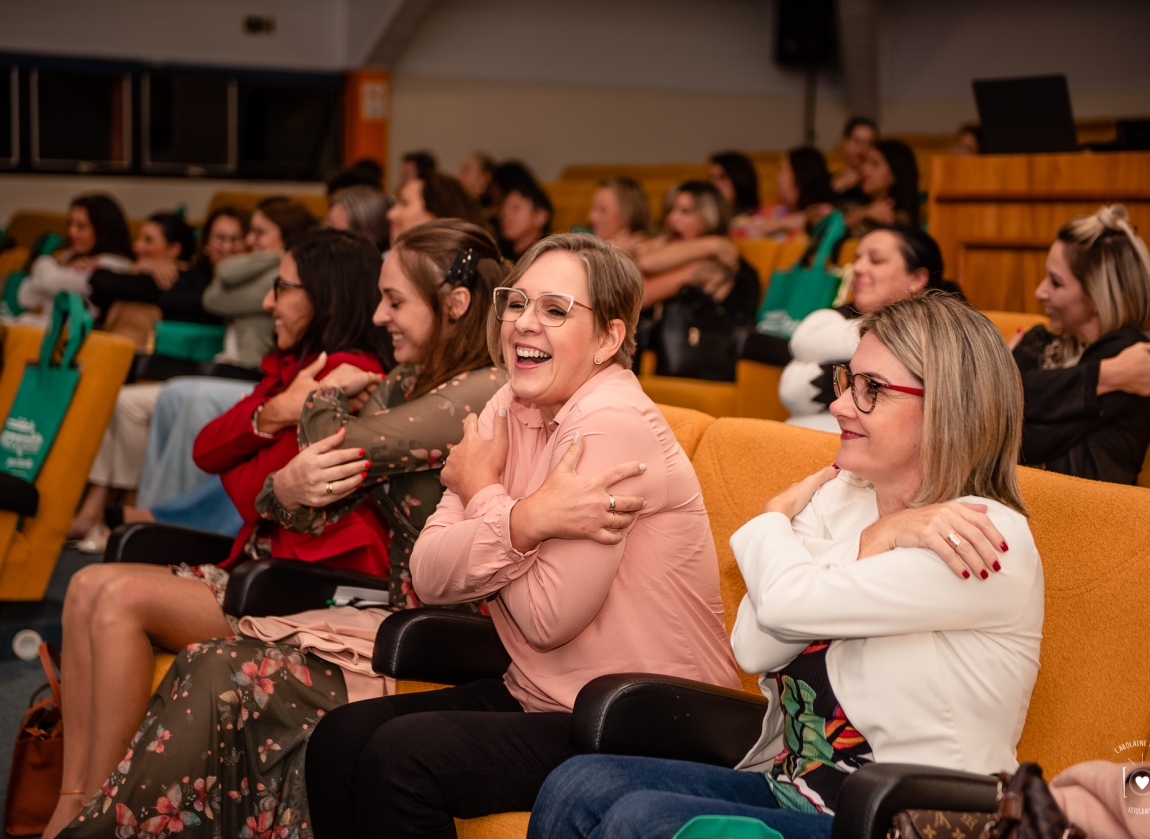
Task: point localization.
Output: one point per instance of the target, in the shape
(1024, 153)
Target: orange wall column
(366, 115)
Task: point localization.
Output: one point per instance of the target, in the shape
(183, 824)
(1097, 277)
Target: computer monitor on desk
(1029, 115)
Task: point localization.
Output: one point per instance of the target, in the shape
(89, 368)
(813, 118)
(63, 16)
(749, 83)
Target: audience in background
(1085, 412)
(97, 238)
(362, 210)
(364, 172)
(476, 172)
(524, 218)
(734, 175)
(426, 199)
(241, 282)
(891, 264)
(436, 287)
(969, 140)
(859, 134)
(164, 278)
(620, 213)
(114, 613)
(881, 635)
(611, 582)
(805, 196)
(417, 164)
(890, 183)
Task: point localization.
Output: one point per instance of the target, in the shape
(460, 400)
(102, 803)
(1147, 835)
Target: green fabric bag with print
(45, 391)
(726, 827)
(794, 294)
(45, 244)
(188, 341)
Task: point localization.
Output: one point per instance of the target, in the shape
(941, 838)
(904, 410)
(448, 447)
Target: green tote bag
(45, 391)
(796, 293)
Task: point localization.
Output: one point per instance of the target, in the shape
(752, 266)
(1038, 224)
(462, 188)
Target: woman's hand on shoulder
(791, 501)
(320, 474)
(937, 527)
(570, 506)
(476, 462)
(357, 383)
(283, 410)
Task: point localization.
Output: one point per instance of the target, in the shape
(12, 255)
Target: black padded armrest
(165, 544)
(221, 370)
(287, 586)
(433, 644)
(663, 716)
(870, 797)
(160, 368)
(18, 495)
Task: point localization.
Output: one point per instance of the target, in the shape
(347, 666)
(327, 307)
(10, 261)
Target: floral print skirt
(220, 753)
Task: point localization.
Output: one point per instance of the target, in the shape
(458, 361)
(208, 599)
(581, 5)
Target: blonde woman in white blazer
(894, 600)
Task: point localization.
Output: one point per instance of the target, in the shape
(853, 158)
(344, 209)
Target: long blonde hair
(972, 409)
(1110, 259)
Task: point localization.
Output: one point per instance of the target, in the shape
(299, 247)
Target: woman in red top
(322, 303)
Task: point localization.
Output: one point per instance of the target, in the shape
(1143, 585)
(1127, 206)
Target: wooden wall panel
(994, 216)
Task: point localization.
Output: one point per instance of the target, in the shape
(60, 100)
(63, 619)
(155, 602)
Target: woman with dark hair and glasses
(894, 600)
(98, 237)
(114, 613)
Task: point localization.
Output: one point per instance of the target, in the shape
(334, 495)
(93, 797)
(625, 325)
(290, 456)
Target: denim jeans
(612, 797)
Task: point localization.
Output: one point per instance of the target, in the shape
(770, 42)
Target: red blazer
(228, 447)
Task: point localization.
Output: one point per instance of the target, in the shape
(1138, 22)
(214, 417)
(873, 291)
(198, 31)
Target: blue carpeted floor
(18, 679)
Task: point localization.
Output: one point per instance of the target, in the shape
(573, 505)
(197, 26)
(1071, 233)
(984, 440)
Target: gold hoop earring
(598, 359)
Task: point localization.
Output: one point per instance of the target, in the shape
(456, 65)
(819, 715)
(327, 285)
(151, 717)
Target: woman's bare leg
(91, 511)
(76, 666)
(134, 606)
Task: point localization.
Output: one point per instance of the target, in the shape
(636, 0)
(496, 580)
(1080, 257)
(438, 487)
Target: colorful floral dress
(219, 753)
(822, 747)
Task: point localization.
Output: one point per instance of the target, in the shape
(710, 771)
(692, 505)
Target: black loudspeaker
(806, 34)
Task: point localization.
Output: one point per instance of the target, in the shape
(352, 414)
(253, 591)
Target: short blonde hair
(1109, 258)
(709, 203)
(613, 282)
(972, 409)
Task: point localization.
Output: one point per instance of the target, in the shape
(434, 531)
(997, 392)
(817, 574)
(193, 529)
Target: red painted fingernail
(836, 466)
(361, 452)
(1004, 549)
(966, 575)
(983, 574)
(364, 475)
(996, 566)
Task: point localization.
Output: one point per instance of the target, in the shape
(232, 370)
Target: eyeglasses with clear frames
(865, 390)
(551, 308)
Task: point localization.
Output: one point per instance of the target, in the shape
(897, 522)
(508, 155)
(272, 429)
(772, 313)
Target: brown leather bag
(1026, 810)
(134, 321)
(38, 759)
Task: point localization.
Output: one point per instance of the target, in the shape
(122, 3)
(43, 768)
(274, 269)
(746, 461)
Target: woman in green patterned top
(262, 700)
(437, 286)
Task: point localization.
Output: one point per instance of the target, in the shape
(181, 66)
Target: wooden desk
(995, 216)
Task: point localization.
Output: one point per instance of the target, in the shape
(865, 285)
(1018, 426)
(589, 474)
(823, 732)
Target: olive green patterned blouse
(406, 441)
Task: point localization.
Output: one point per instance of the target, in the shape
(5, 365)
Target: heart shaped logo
(1142, 781)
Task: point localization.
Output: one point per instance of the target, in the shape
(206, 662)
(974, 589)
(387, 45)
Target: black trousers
(408, 765)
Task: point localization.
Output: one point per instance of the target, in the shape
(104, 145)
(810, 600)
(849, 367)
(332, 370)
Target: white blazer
(930, 668)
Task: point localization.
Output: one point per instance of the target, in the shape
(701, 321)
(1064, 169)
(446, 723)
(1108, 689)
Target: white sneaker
(95, 540)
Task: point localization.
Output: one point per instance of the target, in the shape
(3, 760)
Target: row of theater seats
(1094, 563)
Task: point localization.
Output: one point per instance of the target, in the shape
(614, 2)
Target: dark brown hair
(291, 217)
(426, 253)
(445, 197)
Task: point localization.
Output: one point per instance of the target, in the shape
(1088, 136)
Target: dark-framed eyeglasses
(865, 390)
(552, 308)
(282, 283)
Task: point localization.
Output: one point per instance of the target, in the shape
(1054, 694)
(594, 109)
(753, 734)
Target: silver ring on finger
(611, 501)
(954, 541)
(330, 489)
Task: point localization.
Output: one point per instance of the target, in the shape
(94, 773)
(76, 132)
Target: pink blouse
(571, 610)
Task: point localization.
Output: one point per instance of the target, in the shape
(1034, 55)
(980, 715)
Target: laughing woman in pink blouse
(574, 514)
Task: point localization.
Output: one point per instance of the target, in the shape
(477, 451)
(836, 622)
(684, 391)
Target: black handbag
(697, 337)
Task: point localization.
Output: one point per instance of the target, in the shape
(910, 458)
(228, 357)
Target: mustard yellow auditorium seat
(28, 548)
(1094, 562)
